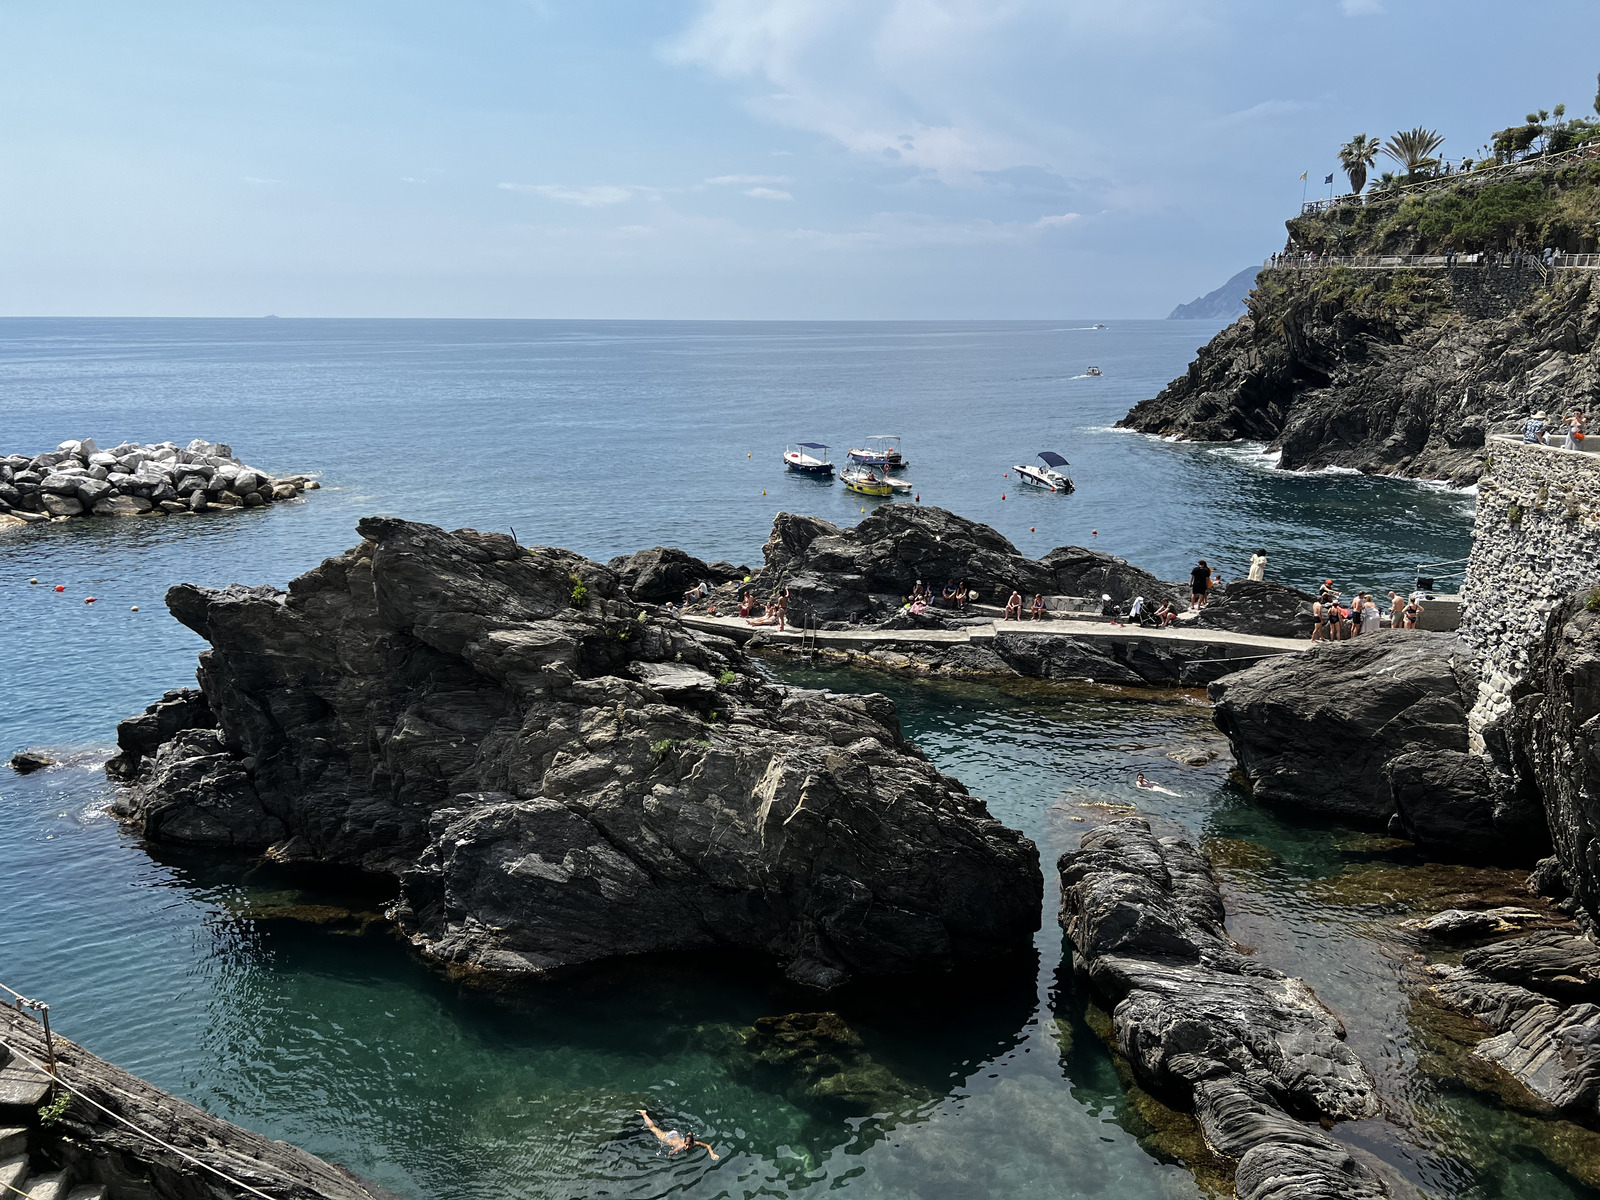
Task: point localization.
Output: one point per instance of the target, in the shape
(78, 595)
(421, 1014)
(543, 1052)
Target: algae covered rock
(817, 1060)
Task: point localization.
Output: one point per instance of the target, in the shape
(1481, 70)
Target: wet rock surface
(557, 776)
(131, 480)
(1252, 1052)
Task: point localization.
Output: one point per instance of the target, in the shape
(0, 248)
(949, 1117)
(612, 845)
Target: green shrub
(727, 679)
(662, 748)
(1515, 513)
(54, 1111)
(580, 593)
(1592, 600)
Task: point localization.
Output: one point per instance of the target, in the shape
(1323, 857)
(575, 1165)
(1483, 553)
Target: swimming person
(673, 1140)
(1141, 781)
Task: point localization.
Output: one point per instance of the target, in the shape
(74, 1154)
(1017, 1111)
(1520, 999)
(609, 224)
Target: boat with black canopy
(1051, 477)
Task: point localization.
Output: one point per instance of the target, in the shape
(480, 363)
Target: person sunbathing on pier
(673, 1140)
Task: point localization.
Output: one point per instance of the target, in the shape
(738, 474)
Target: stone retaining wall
(1536, 540)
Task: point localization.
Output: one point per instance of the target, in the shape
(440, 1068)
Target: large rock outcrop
(836, 574)
(1375, 729)
(1258, 607)
(557, 776)
(1252, 1052)
(663, 574)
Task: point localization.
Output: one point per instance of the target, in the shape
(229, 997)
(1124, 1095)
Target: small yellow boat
(866, 481)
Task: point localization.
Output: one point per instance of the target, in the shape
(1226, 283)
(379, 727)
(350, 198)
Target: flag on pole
(1329, 179)
(1303, 175)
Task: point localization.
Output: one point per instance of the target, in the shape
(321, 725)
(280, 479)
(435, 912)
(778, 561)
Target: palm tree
(1355, 156)
(1413, 149)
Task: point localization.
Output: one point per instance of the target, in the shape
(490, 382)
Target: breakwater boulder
(861, 573)
(78, 479)
(1375, 729)
(1252, 1052)
(557, 776)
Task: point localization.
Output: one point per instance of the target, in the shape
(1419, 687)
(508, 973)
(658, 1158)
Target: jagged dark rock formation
(1254, 1053)
(557, 776)
(662, 574)
(1376, 729)
(836, 574)
(1258, 607)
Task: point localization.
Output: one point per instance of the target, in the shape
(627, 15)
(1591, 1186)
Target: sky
(713, 159)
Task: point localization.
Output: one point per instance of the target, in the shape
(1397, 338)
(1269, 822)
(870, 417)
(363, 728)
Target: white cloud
(719, 179)
(1057, 220)
(903, 230)
(763, 193)
(595, 196)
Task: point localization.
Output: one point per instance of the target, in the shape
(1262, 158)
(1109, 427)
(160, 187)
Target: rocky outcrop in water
(1375, 729)
(862, 573)
(557, 776)
(131, 480)
(1252, 1052)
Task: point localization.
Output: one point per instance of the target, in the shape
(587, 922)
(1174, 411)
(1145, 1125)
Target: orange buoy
(1095, 532)
(1031, 529)
(763, 491)
(61, 587)
(88, 599)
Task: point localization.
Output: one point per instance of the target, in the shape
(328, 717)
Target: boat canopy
(812, 446)
(1052, 459)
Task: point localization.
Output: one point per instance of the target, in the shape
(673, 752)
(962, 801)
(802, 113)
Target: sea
(281, 1004)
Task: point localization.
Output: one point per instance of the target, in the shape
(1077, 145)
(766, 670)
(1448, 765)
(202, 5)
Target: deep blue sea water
(607, 437)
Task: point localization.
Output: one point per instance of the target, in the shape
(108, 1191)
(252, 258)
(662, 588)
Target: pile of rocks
(131, 480)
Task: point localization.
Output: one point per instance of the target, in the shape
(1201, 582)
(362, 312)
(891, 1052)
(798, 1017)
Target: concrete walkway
(1248, 644)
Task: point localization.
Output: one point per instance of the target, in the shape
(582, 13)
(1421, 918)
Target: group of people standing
(1333, 619)
(1536, 429)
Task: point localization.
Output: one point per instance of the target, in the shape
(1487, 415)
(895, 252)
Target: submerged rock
(1253, 1052)
(816, 1060)
(557, 778)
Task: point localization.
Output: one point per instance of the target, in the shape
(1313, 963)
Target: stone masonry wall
(1535, 541)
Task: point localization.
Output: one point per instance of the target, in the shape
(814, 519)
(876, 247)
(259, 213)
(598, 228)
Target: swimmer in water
(1141, 781)
(672, 1139)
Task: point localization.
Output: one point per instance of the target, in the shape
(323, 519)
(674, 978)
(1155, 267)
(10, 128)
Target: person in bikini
(1038, 607)
(674, 1141)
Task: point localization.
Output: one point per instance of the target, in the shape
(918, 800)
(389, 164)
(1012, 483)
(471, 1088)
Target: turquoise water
(195, 972)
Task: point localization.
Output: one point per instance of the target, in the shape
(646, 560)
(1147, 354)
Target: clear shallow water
(607, 437)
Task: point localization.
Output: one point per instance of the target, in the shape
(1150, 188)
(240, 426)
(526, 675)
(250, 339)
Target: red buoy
(88, 599)
(61, 587)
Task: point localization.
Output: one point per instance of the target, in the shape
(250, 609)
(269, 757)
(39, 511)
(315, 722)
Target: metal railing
(28, 1008)
(1528, 166)
(1511, 260)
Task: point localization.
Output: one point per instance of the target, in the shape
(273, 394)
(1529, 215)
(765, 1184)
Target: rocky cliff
(1400, 371)
(556, 775)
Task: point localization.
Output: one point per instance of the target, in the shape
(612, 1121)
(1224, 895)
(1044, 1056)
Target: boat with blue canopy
(808, 458)
(1050, 476)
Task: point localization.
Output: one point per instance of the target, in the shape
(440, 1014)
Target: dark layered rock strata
(557, 776)
(1387, 371)
(1375, 729)
(664, 574)
(1252, 1052)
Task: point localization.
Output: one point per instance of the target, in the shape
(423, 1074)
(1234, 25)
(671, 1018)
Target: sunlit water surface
(198, 973)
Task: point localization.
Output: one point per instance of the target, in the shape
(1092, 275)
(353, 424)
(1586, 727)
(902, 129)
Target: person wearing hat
(1533, 430)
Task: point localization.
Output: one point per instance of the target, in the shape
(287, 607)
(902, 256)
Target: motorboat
(865, 480)
(1098, 325)
(1093, 371)
(1050, 476)
(808, 458)
(881, 450)
(898, 484)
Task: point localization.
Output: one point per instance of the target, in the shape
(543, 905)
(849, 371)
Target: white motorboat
(1050, 476)
(881, 450)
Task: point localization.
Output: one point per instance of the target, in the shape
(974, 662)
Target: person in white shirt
(1258, 566)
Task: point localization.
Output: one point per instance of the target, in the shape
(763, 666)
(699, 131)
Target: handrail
(1509, 261)
(22, 1005)
(1587, 150)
